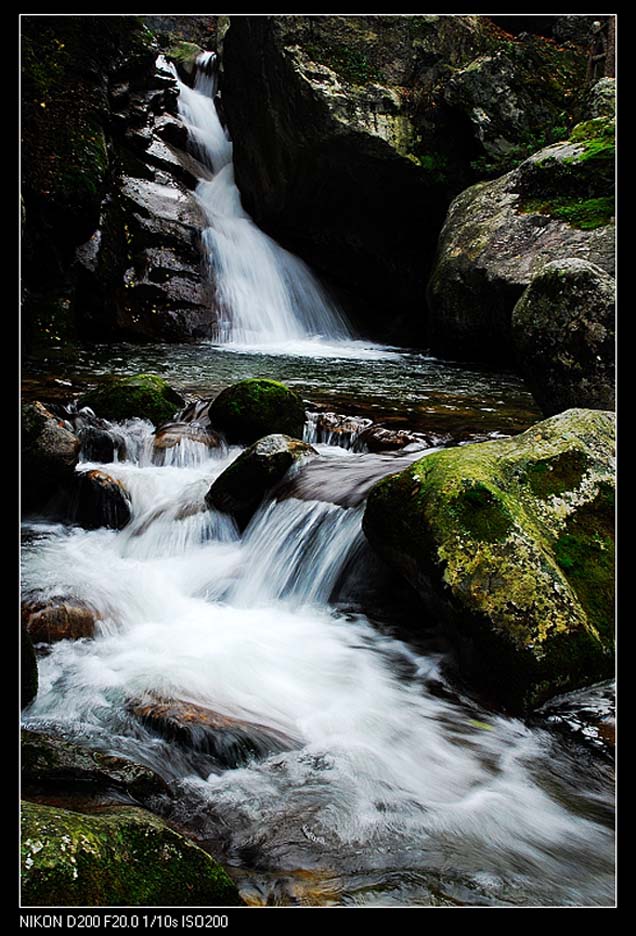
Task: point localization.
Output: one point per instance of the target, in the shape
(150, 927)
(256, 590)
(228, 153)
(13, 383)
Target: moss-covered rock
(510, 543)
(121, 857)
(257, 407)
(28, 670)
(50, 452)
(563, 334)
(240, 489)
(498, 235)
(381, 112)
(184, 55)
(144, 396)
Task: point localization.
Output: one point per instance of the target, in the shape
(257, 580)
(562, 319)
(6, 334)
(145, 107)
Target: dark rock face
(143, 396)
(28, 670)
(510, 543)
(257, 407)
(58, 619)
(498, 235)
(50, 452)
(230, 742)
(100, 501)
(111, 228)
(373, 123)
(242, 486)
(563, 334)
(120, 857)
(49, 764)
(199, 29)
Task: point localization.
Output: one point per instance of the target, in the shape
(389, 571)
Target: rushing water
(369, 778)
(390, 788)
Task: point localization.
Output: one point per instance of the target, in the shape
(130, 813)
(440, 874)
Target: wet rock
(119, 857)
(563, 334)
(178, 434)
(144, 396)
(100, 445)
(240, 489)
(386, 111)
(251, 409)
(586, 715)
(49, 764)
(48, 621)
(50, 452)
(380, 439)
(511, 544)
(231, 742)
(184, 55)
(335, 429)
(28, 670)
(100, 501)
(499, 235)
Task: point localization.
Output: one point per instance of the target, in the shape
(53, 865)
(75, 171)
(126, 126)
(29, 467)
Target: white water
(267, 298)
(384, 775)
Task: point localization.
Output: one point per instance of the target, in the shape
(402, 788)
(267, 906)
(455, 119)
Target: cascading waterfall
(384, 779)
(265, 295)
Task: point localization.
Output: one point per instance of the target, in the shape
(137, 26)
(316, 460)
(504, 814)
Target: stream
(363, 772)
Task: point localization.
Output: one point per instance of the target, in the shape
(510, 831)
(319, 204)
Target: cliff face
(353, 133)
(110, 227)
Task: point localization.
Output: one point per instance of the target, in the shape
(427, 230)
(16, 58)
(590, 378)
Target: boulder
(510, 544)
(143, 396)
(120, 857)
(50, 764)
(563, 336)
(251, 409)
(367, 114)
(601, 98)
(230, 742)
(101, 445)
(48, 621)
(173, 434)
(50, 452)
(28, 670)
(100, 501)
(498, 235)
(240, 489)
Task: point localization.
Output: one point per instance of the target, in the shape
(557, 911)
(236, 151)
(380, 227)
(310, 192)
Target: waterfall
(265, 295)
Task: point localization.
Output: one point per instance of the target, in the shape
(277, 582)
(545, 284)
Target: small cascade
(336, 429)
(265, 295)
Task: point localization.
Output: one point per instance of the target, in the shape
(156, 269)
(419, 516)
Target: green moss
(145, 396)
(482, 513)
(600, 128)
(585, 552)
(587, 214)
(556, 475)
(251, 409)
(121, 857)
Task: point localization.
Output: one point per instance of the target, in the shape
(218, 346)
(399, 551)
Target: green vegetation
(351, 64)
(564, 472)
(145, 396)
(583, 213)
(120, 857)
(251, 409)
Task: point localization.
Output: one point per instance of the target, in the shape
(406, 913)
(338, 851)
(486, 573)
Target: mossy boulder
(120, 857)
(145, 396)
(28, 670)
(49, 764)
(563, 334)
(511, 545)
(498, 236)
(240, 489)
(184, 55)
(50, 451)
(251, 409)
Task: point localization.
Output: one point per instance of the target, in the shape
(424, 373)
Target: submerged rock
(251, 409)
(120, 857)
(510, 543)
(100, 501)
(50, 452)
(48, 621)
(563, 334)
(28, 670)
(240, 489)
(145, 396)
(499, 235)
(231, 742)
(49, 764)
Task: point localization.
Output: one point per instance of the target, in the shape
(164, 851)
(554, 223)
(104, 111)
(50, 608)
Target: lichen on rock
(497, 538)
